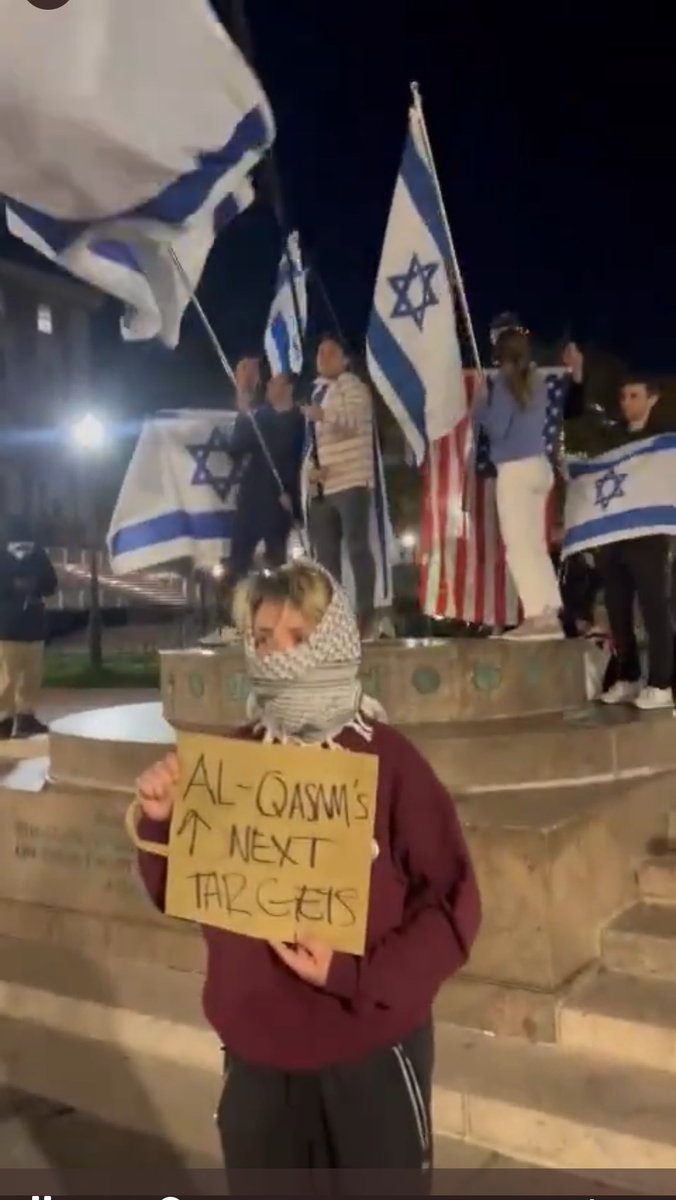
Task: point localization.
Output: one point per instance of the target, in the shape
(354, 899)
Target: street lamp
(88, 433)
(88, 436)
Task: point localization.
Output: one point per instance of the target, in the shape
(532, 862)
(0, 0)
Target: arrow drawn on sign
(190, 825)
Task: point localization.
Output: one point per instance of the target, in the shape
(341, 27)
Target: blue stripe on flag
(646, 520)
(170, 527)
(279, 333)
(117, 252)
(399, 371)
(172, 206)
(418, 180)
(663, 441)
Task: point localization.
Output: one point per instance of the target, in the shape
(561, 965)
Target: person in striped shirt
(342, 482)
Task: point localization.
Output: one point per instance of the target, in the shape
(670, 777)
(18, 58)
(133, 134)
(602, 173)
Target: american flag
(464, 574)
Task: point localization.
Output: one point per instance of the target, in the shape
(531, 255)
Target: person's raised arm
(574, 400)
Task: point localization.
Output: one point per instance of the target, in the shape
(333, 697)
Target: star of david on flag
(224, 475)
(413, 290)
(412, 345)
(179, 494)
(609, 487)
(625, 493)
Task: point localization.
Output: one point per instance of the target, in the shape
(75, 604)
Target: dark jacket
(618, 435)
(284, 436)
(574, 400)
(423, 915)
(27, 577)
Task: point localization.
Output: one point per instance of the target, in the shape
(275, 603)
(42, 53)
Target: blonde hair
(300, 584)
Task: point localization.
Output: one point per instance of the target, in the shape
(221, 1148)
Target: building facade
(45, 377)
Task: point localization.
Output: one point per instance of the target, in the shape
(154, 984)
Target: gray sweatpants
(346, 515)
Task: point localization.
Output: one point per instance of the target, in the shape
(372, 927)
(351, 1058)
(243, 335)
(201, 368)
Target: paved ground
(64, 702)
(61, 702)
(48, 1141)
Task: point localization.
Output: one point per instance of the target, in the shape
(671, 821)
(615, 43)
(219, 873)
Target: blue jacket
(514, 432)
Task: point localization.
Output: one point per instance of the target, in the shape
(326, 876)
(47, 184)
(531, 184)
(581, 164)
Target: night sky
(554, 140)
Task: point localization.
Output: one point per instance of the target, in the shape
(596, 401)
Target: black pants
(640, 569)
(354, 1129)
(265, 522)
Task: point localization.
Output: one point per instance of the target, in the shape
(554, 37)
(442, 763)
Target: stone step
(24, 774)
(625, 1017)
(554, 1107)
(657, 878)
(642, 941)
(550, 1106)
(108, 748)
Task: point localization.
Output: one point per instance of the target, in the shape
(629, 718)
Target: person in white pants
(512, 410)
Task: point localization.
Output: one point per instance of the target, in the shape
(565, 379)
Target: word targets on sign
(273, 841)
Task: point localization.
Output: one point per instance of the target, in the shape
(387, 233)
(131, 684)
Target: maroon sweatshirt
(424, 914)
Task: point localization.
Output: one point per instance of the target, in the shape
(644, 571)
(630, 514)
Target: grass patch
(118, 671)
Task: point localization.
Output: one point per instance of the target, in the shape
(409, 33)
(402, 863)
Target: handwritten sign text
(270, 841)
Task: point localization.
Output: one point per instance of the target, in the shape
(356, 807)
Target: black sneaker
(6, 728)
(27, 726)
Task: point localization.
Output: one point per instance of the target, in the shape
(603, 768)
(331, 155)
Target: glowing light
(89, 433)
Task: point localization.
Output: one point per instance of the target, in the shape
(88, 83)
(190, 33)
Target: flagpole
(457, 279)
(223, 359)
(209, 329)
(242, 35)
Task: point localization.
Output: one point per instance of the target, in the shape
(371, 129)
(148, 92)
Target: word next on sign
(273, 841)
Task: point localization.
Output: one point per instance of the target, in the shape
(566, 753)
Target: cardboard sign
(273, 841)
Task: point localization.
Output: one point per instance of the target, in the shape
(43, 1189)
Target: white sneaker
(654, 697)
(224, 636)
(544, 628)
(621, 693)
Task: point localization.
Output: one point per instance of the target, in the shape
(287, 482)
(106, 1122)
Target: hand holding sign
(156, 788)
(308, 959)
(273, 842)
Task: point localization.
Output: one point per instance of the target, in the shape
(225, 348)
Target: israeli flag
(179, 493)
(381, 534)
(622, 494)
(412, 344)
(128, 130)
(285, 331)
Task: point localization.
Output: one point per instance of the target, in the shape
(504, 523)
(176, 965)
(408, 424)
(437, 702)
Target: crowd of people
(330, 1056)
(334, 468)
(513, 412)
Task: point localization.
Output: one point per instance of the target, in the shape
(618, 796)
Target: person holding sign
(329, 1053)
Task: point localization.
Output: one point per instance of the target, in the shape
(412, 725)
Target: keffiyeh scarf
(311, 693)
